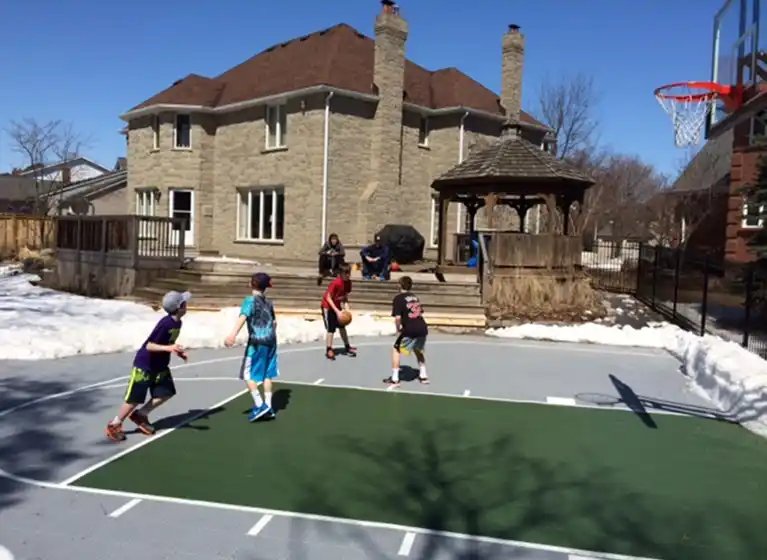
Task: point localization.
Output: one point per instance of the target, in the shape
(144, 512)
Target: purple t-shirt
(165, 332)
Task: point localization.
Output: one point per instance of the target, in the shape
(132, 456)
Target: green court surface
(668, 487)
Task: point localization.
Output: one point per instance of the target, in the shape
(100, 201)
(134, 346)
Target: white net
(687, 115)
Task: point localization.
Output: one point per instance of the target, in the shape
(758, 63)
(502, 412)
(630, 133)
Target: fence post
(655, 275)
(677, 271)
(704, 303)
(639, 270)
(747, 304)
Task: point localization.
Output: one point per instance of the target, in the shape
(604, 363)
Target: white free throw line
(258, 527)
(148, 440)
(466, 393)
(319, 381)
(125, 507)
(407, 544)
(561, 401)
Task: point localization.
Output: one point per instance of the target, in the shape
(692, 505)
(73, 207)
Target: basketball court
(516, 449)
(734, 96)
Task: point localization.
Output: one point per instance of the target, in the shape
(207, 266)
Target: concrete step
(310, 287)
(297, 299)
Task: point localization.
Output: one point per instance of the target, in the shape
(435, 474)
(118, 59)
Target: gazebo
(515, 172)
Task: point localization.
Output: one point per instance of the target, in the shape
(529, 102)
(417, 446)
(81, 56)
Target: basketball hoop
(689, 104)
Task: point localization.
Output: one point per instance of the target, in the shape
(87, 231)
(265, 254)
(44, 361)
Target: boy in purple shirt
(151, 369)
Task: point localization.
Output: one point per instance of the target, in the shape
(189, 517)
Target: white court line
(149, 440)
(466, 393)
(258, 527)
(561, 401)
(407, 544)
(319, 381)
(314, 517)
(125, 507)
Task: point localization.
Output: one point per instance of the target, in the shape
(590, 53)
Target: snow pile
(728, 374)
(38, 323)
(600, 261)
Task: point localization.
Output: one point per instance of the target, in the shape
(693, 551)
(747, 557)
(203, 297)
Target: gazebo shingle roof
(512, 160)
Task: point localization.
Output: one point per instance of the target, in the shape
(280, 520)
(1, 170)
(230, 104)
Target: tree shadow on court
(443, 480)
(35, 441)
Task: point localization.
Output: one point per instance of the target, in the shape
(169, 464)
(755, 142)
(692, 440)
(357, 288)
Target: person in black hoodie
(332, 256)
(375, 260)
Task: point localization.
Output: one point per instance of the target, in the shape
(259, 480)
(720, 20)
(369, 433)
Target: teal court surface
(516, 450)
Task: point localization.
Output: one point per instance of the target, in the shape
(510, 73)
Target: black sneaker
(351, 351)
(329, 354)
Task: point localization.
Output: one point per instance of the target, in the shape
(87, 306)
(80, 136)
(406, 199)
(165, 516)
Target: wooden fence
(22, 230)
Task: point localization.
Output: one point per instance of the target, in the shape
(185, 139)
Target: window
(753, 215)
(145, 206)
(434, 224)
(155, 132)
(423, 132)
(261, 215)
(276, 127)
(182, 132)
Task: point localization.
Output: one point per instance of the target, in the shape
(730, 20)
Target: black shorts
(159, 385)
(330, 319)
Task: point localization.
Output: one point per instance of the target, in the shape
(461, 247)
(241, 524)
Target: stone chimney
(381, 194)
(513, 60)
(66, 176)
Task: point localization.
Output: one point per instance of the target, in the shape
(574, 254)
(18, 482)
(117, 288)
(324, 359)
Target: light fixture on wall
(303, 106)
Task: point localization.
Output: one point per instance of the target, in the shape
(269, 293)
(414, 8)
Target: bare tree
(42, 144)
(568, 105)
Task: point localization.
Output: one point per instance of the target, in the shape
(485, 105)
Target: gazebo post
(442, 201)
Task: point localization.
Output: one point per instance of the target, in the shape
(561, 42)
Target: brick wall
(743, 173)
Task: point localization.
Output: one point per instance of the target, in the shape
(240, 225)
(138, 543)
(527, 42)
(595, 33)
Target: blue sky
(87, 61)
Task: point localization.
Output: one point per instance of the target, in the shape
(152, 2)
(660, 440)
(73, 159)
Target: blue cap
(172, 301)
(261, 281)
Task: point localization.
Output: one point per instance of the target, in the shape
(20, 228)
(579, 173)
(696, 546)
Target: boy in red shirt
(336, 300)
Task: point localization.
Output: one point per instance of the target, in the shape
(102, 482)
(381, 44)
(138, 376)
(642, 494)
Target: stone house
(330, 132)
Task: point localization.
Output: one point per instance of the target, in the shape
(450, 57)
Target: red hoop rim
(715, 90)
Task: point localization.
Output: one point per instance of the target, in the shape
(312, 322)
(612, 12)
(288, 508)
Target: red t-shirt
(338, 290)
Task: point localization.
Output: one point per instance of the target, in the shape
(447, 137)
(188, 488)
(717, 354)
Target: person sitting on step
(332, 256)
(375, 260)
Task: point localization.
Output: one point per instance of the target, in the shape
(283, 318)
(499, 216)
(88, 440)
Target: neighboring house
(102, 195)
(64, 172)
(329, 132)
(18, 194)
(713, 213)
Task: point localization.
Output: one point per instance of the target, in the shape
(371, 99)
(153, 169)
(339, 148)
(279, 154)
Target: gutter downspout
(460, 160)
(325, 157)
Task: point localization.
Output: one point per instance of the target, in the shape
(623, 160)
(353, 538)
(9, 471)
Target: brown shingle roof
(339, 57)
(512, 160)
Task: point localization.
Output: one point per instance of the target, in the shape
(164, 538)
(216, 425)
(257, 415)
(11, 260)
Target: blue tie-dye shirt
(259, 312)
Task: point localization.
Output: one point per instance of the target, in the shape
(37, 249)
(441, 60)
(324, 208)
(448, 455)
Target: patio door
(182, 207)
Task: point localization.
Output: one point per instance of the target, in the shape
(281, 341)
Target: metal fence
(693, 289)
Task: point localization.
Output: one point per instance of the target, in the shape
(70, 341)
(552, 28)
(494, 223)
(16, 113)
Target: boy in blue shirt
(259, 365)
(151, 371)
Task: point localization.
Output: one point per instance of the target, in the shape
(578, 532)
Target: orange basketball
(345, 319)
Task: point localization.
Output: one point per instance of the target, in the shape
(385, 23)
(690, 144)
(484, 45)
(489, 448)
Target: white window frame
(175, 131)
(155, 132)
(424, 131)
(256, 195)
(146, 205)
(280, 122)
(744, 222)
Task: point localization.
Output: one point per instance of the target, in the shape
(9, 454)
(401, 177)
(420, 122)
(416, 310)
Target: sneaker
(350, 351)
(389, 381)
(142, 422)
(367, 277)
(329, 354)
(115, 432)
(259, 412)
(423, 380)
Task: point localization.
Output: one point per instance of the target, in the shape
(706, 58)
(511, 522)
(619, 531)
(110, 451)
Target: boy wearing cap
(259, 365)
(151, 372)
